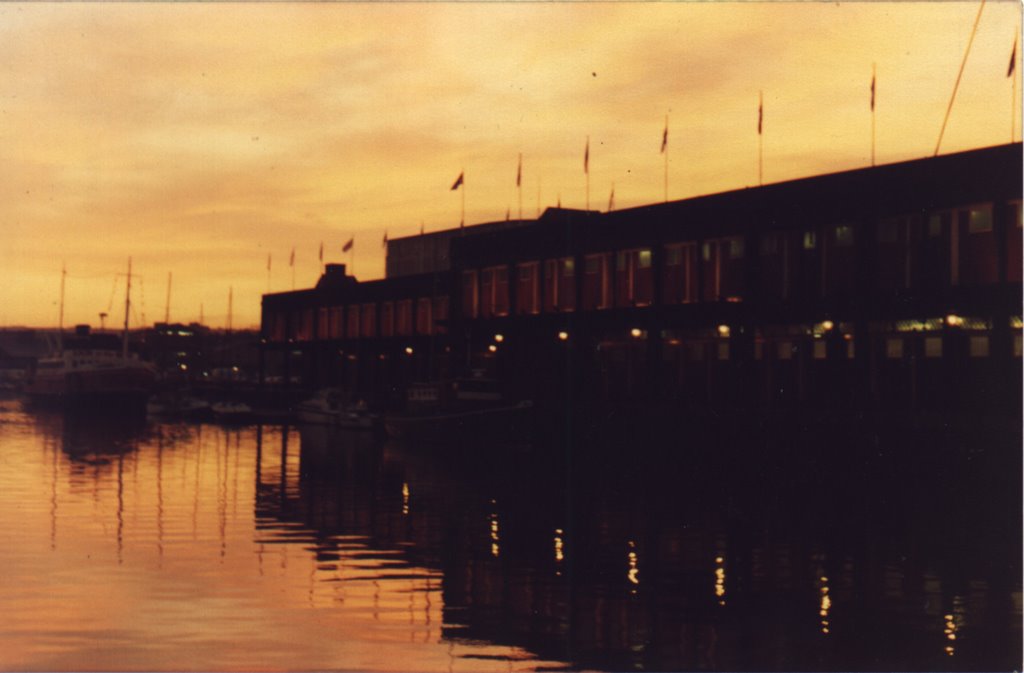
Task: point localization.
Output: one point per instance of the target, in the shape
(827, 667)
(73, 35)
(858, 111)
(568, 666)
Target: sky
(202, 139)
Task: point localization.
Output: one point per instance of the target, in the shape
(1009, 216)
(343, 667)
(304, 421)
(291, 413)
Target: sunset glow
(200, 139)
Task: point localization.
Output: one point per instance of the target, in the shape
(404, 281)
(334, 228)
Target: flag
(611, 200)
(384, 244)
(760, 112)
(664, 137)
(586, 157)
(291, 260)
(519, 172)
(1013, 59)
(348, 246)
(458, 182)
(321, 251)
(872, 91)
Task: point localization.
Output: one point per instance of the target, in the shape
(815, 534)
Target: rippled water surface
(162, 546)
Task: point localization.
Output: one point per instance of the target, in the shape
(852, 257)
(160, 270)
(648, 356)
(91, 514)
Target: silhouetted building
(896, 286)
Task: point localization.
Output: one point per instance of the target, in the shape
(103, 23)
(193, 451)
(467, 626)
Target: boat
(178, 405)
(94, 371)
(232, 412)
(328, 407)
(463, 409)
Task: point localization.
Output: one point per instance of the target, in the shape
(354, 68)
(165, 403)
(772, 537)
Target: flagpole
(586, 170)
(268, 273)
(956, 85)
(664, 147)
(462, 221)
(519, 185)
(538, 196)
(760, 139)
(872, 114)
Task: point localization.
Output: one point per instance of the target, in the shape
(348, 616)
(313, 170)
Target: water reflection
(304, 548)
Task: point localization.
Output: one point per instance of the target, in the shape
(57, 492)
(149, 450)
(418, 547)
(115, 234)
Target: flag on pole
(664, 137)
(760, 112)
(872, 91)
(586, 157)
(519, 171)
(1013, 59)
(348, 246)
(611, 199)
(384, 243)
(321, 252)
(458, 181)
(291, 260)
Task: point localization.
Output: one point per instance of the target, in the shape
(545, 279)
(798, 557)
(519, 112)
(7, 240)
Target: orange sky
(199, 138)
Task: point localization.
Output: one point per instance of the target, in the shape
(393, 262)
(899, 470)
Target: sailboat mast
(127, 309)
(60, 319)
(167, 306)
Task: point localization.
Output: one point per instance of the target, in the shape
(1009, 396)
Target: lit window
(735, 247)
(820, 350)
(569, 268)
(933, 347)
(894, 348)
(844, 236)
(978, 347)
(644, 259)
(810, 240)
(979, 220)
(705, 252)
(723, 351)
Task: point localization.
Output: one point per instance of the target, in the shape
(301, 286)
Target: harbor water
(144, 545)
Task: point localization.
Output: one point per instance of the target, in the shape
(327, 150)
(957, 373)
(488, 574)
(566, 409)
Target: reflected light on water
(633, 574)
(720, 579)
(825, 606)
(559, 551)
(405, 498)
(495, 539)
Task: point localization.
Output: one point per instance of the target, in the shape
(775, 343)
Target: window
(470, 294)
(403, 317)
(935, 225)
(735, 247)
(674, 256)
(368, 320)
(644, 259)
(352, 328)
(785, 350)
(933, 347)
(888, 231)
(978, 347)
(844, 236)
(820, 350)
(810, 240)
(894, 348)
(387, 319)
(979, 220)
(770, 244)
(424, 319)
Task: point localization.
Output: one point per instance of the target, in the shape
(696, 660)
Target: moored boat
(460, 410)
(328, 407)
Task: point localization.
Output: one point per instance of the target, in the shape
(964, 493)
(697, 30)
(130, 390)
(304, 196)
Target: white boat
(232, 411)
(328, 407)
(92, 370)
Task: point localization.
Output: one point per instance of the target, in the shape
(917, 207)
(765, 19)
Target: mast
(60, 319)
(167, 306)
(127, 309)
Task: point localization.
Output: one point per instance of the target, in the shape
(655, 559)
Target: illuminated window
(644, 259)
(705, 252)
(723, 351)
(844, 236)
(979, 220)
(810, 240)
(568, 267)
(735, 247)
(894, 348)
(820, 350)
(933, 347)
(978, 347)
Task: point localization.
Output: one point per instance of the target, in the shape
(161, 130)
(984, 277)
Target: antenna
(231, 292)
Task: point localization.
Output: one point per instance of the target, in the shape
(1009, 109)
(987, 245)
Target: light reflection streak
(720, 579)
(495, 539)
(405, 498)
(633, 574)
(559, 551)
(825, 605)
